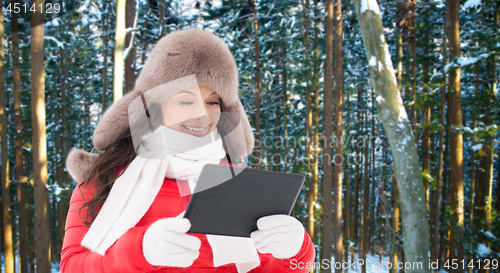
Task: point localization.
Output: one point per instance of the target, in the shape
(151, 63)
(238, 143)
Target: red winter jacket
(125, 255)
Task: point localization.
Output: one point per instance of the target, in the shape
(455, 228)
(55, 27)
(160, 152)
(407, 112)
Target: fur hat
(177, 55)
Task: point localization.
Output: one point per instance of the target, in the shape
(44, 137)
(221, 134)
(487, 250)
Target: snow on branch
(463, 62)
(472, 4)
(369, 5)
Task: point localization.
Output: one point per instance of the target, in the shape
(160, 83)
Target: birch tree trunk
(399, 133)
(39, 141)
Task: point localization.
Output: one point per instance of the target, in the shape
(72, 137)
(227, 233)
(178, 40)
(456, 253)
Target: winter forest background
(310, 71)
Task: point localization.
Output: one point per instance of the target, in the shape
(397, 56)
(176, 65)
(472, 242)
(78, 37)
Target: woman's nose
(203, 118)
(200, 113)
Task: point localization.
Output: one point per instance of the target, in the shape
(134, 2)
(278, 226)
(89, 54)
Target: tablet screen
(232, 207)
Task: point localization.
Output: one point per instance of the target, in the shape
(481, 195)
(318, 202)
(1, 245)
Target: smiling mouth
(194, 129)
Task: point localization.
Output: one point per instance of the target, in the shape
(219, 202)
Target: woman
(126, 213)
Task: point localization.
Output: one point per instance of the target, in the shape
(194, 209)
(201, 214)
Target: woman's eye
(214, 103)
(186, 102)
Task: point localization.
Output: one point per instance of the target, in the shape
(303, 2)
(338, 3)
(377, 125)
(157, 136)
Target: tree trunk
(398, 130)
(284, 102)
(257, 149)
(434, 253)
(129, 43)
(162, 17)
(426, 134)
(497, 203)
(373, 183)
(105, 55)
(485, 180)
(31, 227)
(339, 126)
(6, 211)
(383, 205)
(39, 141)
(326, 247)
(276, 150)
(355, 212)
(443, 240)
(20, 176)
(365, 216)
(473, 183)
(472, 193)
(357, 177)
(485, 176)
(347, 182)
(494, 85)
(399, 51)
(143, 35)
(119, 50)
(395, 222)
(316, 152)
(456, 141)
(309, 115)
(414, 120)
(63, 177)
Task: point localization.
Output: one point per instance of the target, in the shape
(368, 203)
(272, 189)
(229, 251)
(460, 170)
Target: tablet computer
(228, 200)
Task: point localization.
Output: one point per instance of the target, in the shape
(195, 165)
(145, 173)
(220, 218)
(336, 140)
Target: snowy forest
(389, 108)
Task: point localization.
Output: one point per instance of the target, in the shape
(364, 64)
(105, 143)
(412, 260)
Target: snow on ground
(374, 265)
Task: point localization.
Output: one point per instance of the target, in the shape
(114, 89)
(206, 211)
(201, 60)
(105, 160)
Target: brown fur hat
(179, 54)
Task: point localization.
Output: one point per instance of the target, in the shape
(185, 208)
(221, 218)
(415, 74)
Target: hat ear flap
(78, 164)
(113, 123)
(236, 130)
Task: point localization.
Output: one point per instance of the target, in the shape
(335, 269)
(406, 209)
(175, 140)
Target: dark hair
(120, 153)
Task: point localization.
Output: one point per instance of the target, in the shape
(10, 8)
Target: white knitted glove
(280, 235)
(166, 243)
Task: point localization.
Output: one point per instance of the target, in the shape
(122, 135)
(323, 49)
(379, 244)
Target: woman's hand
(280, 235)
(166, 243)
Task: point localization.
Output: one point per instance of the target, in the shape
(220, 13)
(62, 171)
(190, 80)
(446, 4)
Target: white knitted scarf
(172, 154)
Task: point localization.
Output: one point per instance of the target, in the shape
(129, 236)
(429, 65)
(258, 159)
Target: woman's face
(192, 111)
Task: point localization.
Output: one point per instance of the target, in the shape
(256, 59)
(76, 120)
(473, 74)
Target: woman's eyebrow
(185, 91)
